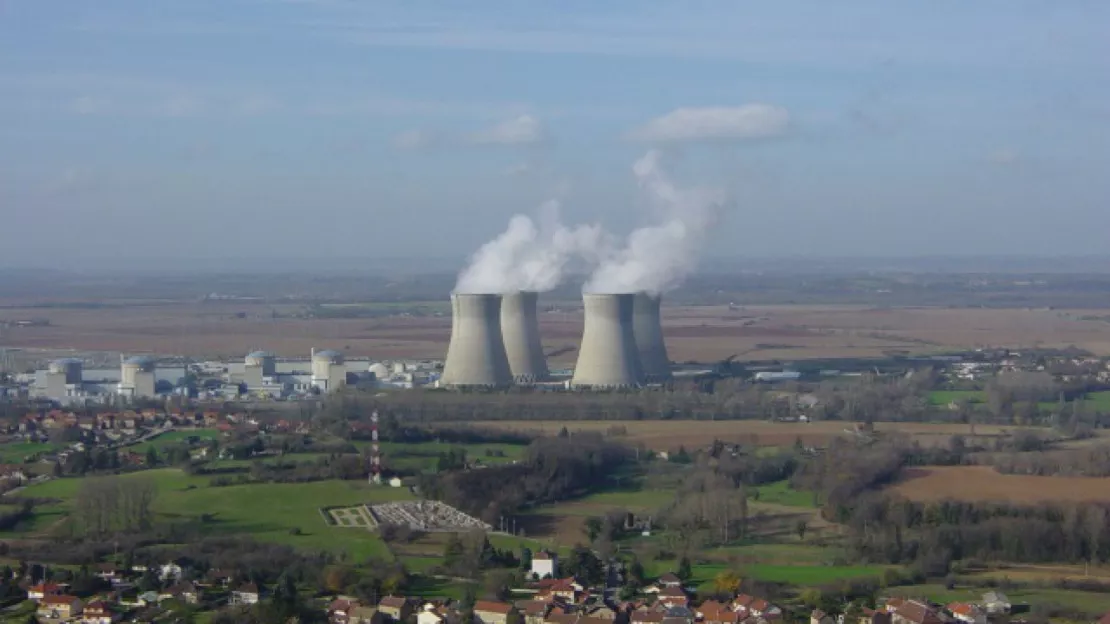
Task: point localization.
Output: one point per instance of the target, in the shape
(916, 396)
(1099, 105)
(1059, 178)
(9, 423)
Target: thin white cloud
(257, 105)
(416, 139)
(90, 105)
(521, 130)
(1004, 156)
(182, 106)
(716, 123)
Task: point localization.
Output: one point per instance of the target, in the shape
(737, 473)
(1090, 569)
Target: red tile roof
(489, 606)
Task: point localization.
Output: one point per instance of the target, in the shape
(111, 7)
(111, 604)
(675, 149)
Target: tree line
(552, 469)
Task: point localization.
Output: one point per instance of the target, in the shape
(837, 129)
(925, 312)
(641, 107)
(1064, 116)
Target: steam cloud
(658, 257)
(531, 255)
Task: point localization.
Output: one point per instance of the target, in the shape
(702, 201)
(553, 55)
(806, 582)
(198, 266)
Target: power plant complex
(496, 342)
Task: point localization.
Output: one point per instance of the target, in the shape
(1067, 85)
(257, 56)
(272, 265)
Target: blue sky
(371, 128)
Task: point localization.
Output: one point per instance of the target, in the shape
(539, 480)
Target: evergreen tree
(684, 570)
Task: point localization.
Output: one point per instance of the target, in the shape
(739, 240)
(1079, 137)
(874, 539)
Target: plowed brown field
(664, 435)
(707, 333)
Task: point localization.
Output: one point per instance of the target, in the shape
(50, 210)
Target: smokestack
(608, 357)
(520, 330)
(476, 354)
(647, 327)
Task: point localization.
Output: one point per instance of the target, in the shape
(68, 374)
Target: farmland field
(945, 397)
(705, 333)
(1091, 602)
(15, 453)
(781, 493)
(983, 483)
(266, 511)
(670, 434)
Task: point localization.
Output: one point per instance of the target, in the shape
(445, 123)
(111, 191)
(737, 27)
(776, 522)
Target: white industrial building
(68, 382)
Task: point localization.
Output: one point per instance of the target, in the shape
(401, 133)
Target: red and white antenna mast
(375, 450)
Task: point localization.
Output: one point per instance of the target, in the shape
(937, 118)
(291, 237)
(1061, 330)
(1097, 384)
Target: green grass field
(632, 500)
(1094, 603)
(779, 554)
(1099, 401)
(704, 573)
(16, 452)
(175, 437)
(780, 493)
(944, 397)
(808, 574)
(266, 511)
(424, 456)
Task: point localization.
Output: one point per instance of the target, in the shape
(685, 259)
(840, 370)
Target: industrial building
(520, 331)
(68, 382)
(476, 355)
(647, 328)
(608, 356)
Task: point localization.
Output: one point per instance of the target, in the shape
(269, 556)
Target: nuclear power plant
(647, 327)
(608, 357)
(520, 331)
(137, 377)
(495, 342)
(476, 355)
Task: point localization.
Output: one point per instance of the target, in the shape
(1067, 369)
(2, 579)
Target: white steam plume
(656, 258)
(530, 255)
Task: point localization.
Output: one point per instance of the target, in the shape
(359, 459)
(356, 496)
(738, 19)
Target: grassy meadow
(266, 511)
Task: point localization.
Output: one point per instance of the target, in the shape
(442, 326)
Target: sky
(179, 129)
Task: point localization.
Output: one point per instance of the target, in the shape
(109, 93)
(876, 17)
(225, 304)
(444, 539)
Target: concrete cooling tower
(608, 357)
(520, 330)
(647, 327)
(476, 354)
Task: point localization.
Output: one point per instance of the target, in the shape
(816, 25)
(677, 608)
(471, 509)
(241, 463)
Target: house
(559, 589)
(186, 592)
(645, 617)
(395, 608)
(59, 607)
(109, 572)
(97, 612)
(339, 610)
(601, 612)
(490, 612)
(713, 612)
(669, 579)
(363, 614)
(533, 611)
(877, 616)
(170, 571)
(13, 473)
(42, 590)
(245, 594)
(820, 617)
(969, 613)
(916, 612)
(545, 565)
(433, 613)
(761, 608)
(218, 577)
(672, 596)
(678, 615)
(996, 602)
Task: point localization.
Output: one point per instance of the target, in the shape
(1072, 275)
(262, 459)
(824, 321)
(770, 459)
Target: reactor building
(63, 378)
(608, 356)
(647, 327)
(329, 373)
(476, 355)
(520, 331)
(137, 377)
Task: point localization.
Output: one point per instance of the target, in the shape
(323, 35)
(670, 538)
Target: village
(148, 593)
